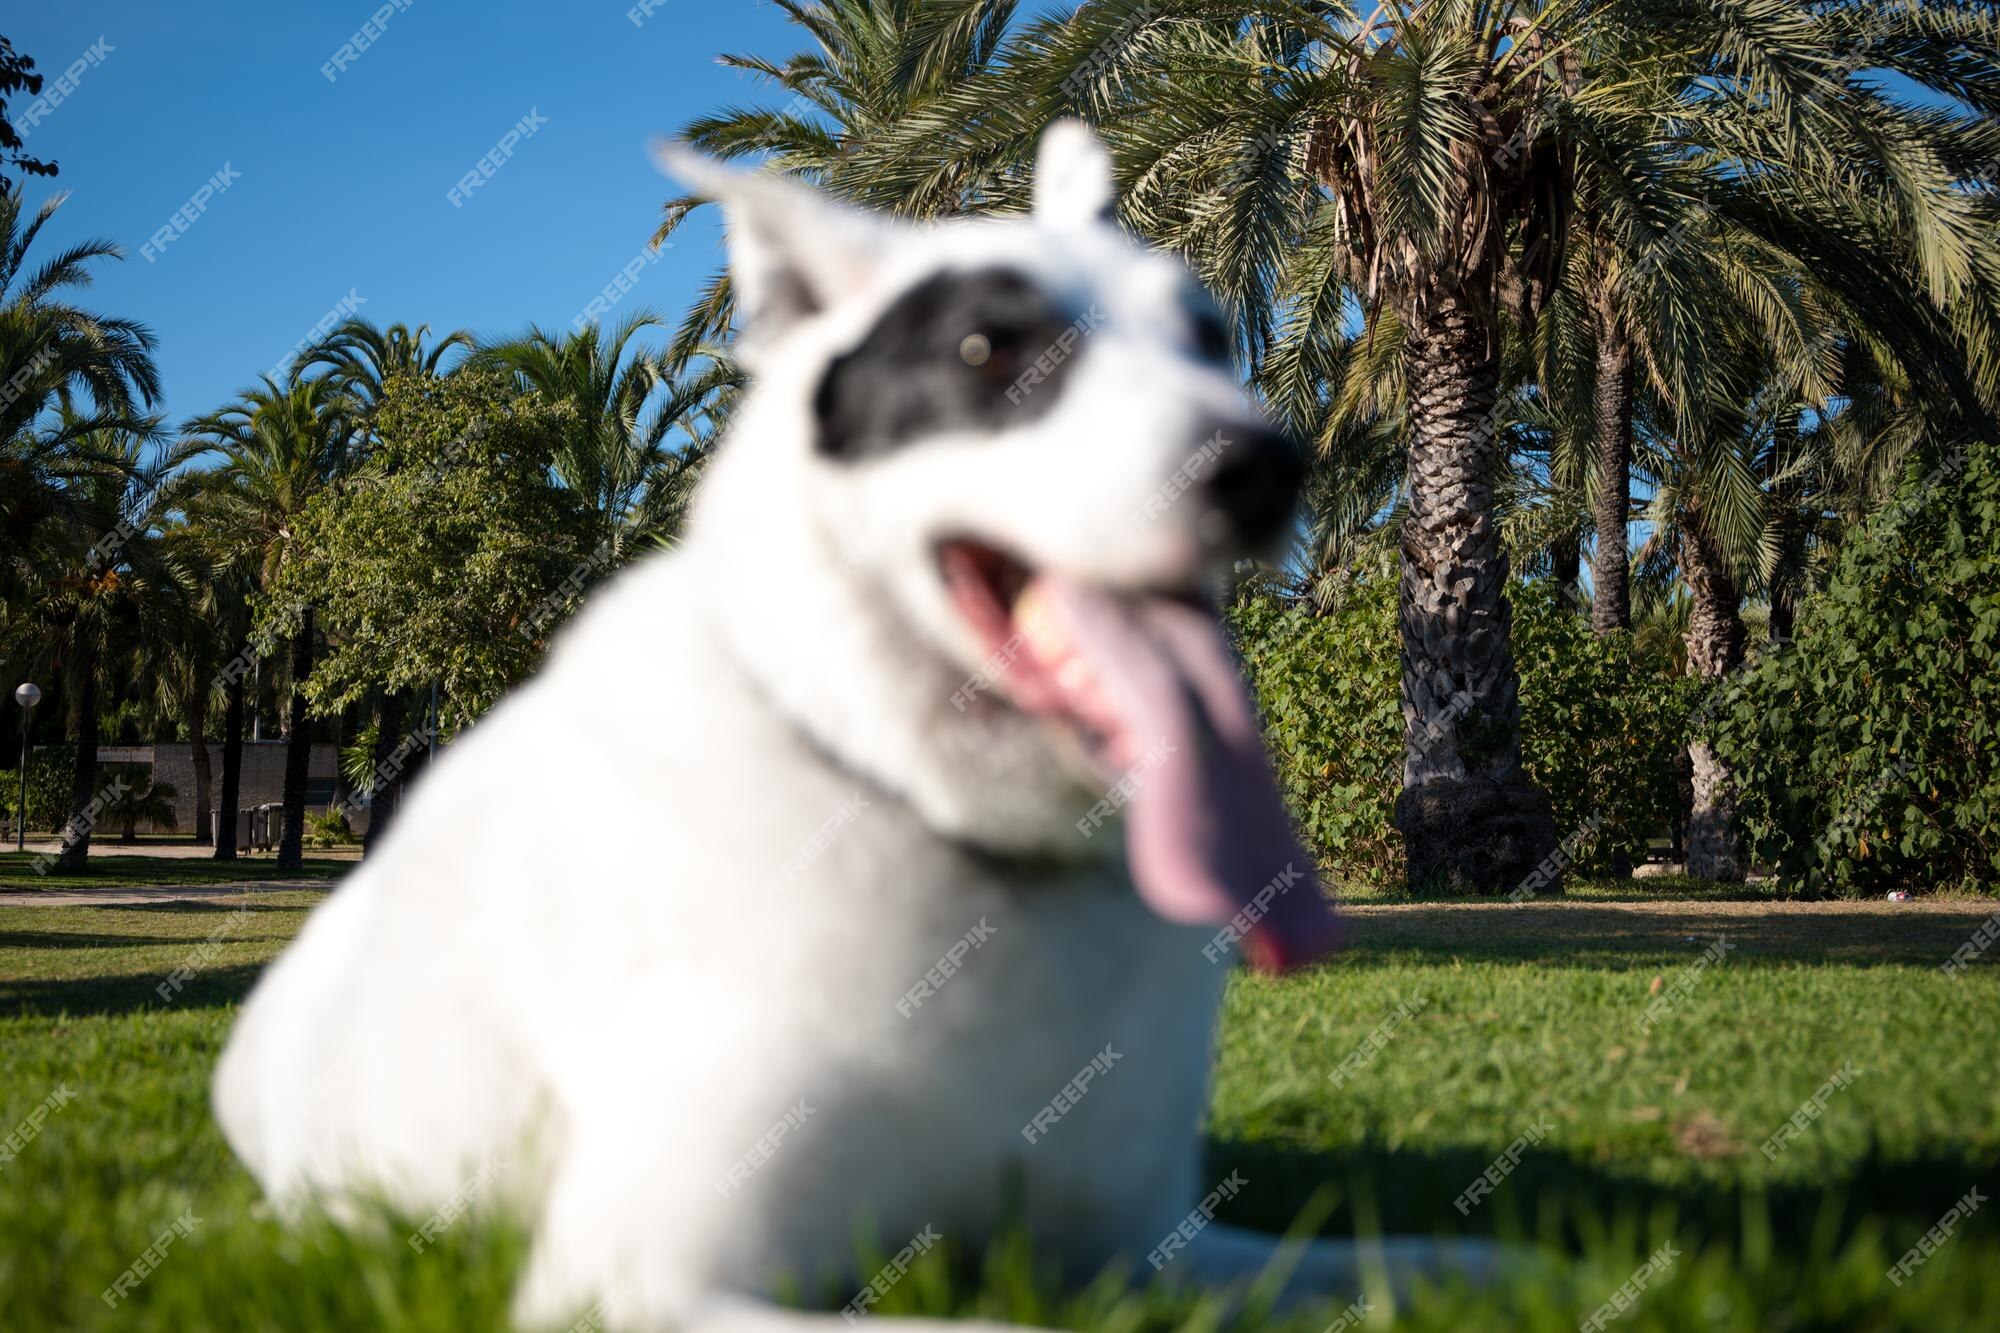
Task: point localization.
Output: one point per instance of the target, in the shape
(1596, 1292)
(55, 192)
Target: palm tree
(280, 445)
(98, 612)
(647, 430)
(1432, 159)
(877, 64)
(360, 358)
(141, 799)
(68, 376)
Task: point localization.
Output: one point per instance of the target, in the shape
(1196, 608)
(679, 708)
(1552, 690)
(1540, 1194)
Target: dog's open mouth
(1147, 682)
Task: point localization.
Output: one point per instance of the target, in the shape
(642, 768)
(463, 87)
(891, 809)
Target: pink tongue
(1206, 831)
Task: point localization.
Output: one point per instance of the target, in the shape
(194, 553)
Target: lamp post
(27, 696)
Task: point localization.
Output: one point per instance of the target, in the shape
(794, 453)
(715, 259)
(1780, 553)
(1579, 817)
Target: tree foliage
(1867, 752)
(425, 564)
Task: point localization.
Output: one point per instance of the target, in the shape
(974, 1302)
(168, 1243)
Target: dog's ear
(1073, 183)
(792, 251)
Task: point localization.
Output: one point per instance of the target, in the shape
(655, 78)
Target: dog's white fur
(675, 886)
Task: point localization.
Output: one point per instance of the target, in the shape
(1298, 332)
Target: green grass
(110, 870)
(1529, 1012)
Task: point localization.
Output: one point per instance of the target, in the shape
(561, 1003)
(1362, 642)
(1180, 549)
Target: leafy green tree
(448, 556)
(17, 75)
(1865, 752)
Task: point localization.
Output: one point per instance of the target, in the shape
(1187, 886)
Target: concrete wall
(263, 780)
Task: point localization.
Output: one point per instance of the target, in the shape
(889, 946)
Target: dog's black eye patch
(978, 350)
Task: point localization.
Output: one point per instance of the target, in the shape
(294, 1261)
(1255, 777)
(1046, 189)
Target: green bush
(1601, 722)
(50, 770)
(1602, 719)
(1865, 754)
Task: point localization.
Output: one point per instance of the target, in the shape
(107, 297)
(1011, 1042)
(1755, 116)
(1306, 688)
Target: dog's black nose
(1253, 485)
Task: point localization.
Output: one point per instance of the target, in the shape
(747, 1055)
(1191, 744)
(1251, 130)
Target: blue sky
(340, 186)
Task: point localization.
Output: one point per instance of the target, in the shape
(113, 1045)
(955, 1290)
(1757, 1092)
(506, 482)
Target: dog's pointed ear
(1073, 184)
(792, 251)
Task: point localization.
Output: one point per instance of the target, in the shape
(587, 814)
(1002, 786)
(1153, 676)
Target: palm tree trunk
(1715, 648)
(83, 780)
(204, 775)
(1470, 818)
(298, 753)
(1610, 571)
(232, 766)
(390, 721)
(1565, 566)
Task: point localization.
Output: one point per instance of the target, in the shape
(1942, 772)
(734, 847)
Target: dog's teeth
(1038, 625)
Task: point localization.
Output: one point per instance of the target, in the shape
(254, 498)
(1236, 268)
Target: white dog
(906, 817)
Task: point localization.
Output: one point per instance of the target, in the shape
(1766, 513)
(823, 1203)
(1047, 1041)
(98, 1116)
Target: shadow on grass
(1600, 934)
(58, 939)
(1403, 1191)
(212, 987)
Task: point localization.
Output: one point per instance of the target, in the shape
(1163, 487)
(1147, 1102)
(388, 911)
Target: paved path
(164, 893)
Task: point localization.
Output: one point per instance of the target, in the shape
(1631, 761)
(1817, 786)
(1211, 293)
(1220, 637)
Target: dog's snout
(1253, 486)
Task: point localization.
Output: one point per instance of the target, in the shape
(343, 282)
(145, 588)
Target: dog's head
(983, 477)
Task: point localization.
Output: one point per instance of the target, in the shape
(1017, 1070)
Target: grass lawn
(107, 869)
(1519, 1021)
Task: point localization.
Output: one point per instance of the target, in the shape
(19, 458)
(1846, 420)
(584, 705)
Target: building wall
(263, 781)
